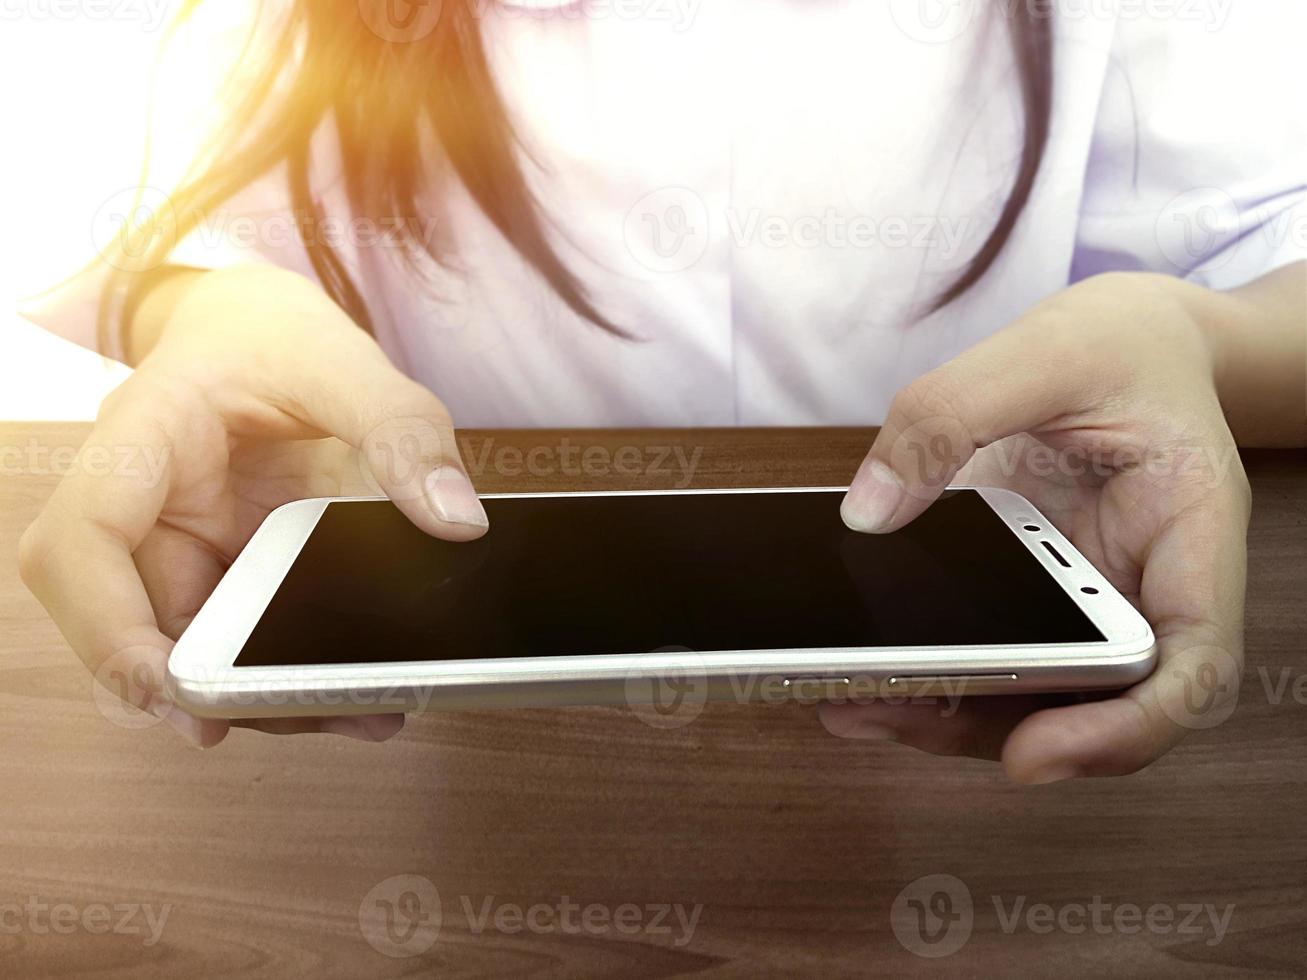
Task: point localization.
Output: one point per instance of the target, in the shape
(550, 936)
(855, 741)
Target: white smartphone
(341, 606)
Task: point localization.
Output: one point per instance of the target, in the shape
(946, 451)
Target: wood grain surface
(124, 853)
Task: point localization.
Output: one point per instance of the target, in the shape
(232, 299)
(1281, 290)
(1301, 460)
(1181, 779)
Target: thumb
(936, 424)
(414, 459)
(404, 436)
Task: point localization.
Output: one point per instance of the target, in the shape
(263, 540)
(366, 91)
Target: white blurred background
(75, 94)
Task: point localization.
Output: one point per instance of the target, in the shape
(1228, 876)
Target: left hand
(1100, 407)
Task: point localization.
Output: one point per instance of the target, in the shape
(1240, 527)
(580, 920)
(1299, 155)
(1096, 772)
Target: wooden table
(264, 851)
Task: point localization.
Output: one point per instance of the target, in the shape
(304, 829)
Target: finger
(364, 728)
(1000, 387)
(960, 726)
(179, 573)
(77, 559)
(1196, 686)
(1192, 590)
(401, 429)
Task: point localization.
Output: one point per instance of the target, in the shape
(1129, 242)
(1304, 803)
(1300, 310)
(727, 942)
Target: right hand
(228, 417)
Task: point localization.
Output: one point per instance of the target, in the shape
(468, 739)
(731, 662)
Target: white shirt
(768, 193)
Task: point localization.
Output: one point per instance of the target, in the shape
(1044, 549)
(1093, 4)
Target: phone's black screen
(632, 574)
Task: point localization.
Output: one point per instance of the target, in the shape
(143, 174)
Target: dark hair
(1032, 39)
(391, 101)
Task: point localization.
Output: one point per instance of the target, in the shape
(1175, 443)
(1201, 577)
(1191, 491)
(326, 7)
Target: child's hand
(1100, 407)
(230, 410)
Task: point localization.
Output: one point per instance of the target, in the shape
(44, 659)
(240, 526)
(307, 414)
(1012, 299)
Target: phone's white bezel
(202, 672)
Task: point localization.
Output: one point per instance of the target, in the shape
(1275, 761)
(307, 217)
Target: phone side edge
(209, 646)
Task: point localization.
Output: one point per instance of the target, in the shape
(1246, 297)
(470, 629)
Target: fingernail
(453, 498)
(873, 498)
(1053, 774)
(873, 731)
(382, 727)
(846, 721)
(159, 707)
(367, 728)
(346, 725)
(187, 726)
